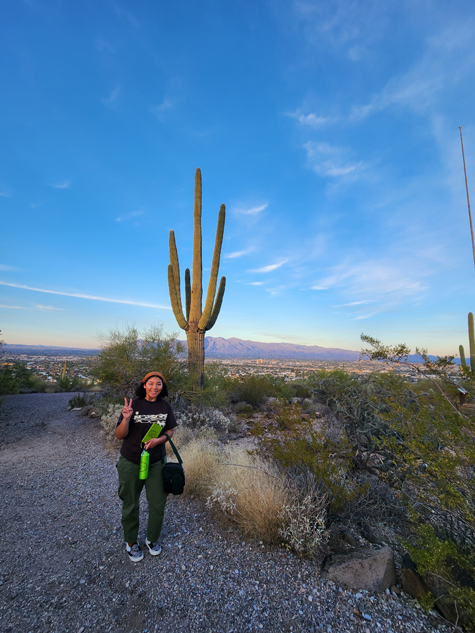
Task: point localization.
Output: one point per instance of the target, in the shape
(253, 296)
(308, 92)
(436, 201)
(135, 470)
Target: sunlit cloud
(61, 185)
(85, 296)
(12, 307)
(250, 210)
(270, 268)
(128, 216)
(255, 283)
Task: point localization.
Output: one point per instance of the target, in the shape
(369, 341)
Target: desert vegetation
(328, 459)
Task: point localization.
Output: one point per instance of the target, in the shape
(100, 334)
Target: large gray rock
(370, 569)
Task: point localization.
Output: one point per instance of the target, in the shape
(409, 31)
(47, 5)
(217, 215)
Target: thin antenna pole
(468, 197)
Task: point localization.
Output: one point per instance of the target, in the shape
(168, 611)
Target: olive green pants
(130, 487)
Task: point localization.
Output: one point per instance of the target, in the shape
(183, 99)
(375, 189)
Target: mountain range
(223, 348)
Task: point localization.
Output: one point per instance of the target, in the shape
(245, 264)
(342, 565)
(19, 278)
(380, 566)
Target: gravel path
(63, 565)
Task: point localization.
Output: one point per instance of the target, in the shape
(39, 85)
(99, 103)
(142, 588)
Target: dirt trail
(63, 566)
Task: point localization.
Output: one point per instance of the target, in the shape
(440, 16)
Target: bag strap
(177, 454)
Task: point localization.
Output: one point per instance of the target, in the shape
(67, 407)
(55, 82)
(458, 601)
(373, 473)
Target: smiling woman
(137, 418)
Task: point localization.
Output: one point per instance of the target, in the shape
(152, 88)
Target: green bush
(252, 389)
(14, 378)
(126, 357)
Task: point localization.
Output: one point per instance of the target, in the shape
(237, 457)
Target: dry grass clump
(251, 492)
(202, 462)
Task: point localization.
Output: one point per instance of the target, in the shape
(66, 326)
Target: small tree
(126, 357)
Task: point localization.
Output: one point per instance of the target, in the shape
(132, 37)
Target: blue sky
(328, 128)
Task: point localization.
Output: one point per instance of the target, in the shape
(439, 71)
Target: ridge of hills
(218, 347)
(215, 348)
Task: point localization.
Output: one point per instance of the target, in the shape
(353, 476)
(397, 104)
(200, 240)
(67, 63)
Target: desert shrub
(252, 389)
(127, 356)
(81, 400)
(251, 492)
(198, 417)
(243, 408)
(305, 517)
(70, 383)
(110, 414)
(15, 378)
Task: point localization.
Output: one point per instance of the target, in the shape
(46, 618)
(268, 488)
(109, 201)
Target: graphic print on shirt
(153, 418)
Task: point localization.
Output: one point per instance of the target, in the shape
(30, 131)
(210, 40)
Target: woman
(135, 420)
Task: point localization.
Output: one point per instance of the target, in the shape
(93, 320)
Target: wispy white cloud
(12, 307)
(447, 60)
(61, 185)
(5, 268)
(41, 307)
(5, 194)
(255, 283)
(250, 210)
(160, 110)
(125, 15)
(311, 120)
(237, 254)
(112, 97)
(270, 268)
(85, 296)
(35, 205)
(384, 283)
(330, 160)
(128, 216)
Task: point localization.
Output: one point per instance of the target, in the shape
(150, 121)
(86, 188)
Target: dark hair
(141, 393)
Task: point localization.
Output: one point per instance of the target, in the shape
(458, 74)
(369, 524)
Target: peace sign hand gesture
(127, 410)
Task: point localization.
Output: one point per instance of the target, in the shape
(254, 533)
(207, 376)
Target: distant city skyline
(329, 130)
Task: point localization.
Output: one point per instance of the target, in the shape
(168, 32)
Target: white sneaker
(153, 548)
(134, 552)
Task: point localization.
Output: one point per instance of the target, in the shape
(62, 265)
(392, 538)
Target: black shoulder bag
(173, 474)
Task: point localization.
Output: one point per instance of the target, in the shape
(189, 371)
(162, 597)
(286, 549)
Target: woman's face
(152, 387)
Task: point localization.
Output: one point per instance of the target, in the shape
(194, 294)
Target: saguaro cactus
(471, 340)
(196, 322)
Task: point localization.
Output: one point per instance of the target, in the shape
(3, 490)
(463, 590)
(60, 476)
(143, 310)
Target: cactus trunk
(197, 321)
(196, 357)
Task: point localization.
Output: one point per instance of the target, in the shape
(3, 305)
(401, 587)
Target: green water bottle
(144, 462)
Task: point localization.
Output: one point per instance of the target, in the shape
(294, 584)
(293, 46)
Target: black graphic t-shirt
(145, 414)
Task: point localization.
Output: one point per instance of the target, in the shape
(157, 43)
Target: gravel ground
(63, 565)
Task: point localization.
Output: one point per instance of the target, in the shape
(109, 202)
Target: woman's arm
(157, 440)
(122, 429)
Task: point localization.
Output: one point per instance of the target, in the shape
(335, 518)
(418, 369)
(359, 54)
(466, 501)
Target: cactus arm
(176, 267)
(196, 286)
(176, 304)
(462, 357)
(217, 304)
(187, 293)
(214, 270)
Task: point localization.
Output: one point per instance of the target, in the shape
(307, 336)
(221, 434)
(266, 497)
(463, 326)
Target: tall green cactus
(471, 340)
(196, 322)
